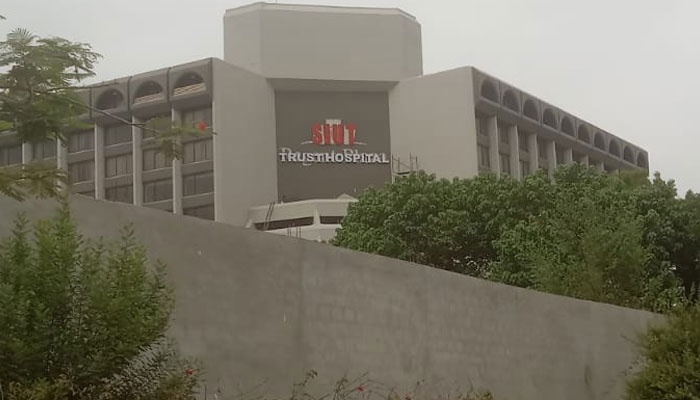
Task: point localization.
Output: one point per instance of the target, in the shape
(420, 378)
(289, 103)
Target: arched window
(530, 110)
(549, 118)
(599, 141)
(189, 82)
(628, 155)
(567, 126)
(510, 101)
(489, 91)
(110, 99)
(583, 134)
(642, 160)
(614, 148)
(148, 91)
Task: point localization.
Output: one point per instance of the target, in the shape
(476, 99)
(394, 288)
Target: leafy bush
(619, 239)
(82, 319)
(671, 360)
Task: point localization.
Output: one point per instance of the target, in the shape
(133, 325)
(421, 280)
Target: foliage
(445, 224)
(169, 134)
(38, 99)
(37, 180)
(38, 102)
(79, 319)
(612, 238)
(671, 360)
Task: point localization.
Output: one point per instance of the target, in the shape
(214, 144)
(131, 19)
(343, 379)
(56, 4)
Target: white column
(137, 159)
(533, 150)
(177, 172)
(62, 159)
(99, 162)
(568, 156)
(584, 160)
(26, 152)
(514, 140)
(494, 154)
(551, 157)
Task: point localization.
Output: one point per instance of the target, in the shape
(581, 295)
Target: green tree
(38, 102)
(84, 319)
(445, 224)
(603, 237)
(670, 367)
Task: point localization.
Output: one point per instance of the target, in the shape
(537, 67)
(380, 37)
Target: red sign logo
(333, 133)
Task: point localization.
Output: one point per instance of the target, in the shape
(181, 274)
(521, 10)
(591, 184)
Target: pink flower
(202, 126)
(189, 371)
(360, 389)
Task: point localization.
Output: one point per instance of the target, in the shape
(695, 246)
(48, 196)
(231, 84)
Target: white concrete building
(311, 103)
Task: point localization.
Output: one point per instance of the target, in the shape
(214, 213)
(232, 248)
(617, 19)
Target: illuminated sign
(332, 133)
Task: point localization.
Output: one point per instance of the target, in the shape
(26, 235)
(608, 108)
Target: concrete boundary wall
(258, 307)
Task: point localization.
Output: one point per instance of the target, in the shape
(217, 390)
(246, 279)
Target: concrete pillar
(584, 160)
(62, 159)
(26, 152)
(515, 171)
(551, 157)
(533, 150)
(494, 154)
(177, 171)
(568, 156)
(137, 159)
(99, 162)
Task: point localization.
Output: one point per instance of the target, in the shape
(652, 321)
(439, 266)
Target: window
(483, 156)
(121, 194)
(523, 140)
(331, 220)
(81, 141)
(285, 223)
(158, 190)
(194, 117)
(82, 171)
(503, 135)
(482, 126)
(198, 184)
(118, 165)
(117, 134)
(11, 155)
(155, 159)
(44, 150)
(524, 168)
(203, 212)
(200, 150)
(505, 163)
(110, 99)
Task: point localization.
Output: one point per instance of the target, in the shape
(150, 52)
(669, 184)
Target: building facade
(310, 106)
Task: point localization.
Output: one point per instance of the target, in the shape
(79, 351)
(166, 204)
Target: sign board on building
(320, 150)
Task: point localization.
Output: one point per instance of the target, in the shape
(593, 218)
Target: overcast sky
(631, 67)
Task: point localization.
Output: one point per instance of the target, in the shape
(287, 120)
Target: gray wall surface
(432, 118)
(256, 307)
(296, 112)
(245, 172)
(321, 42)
